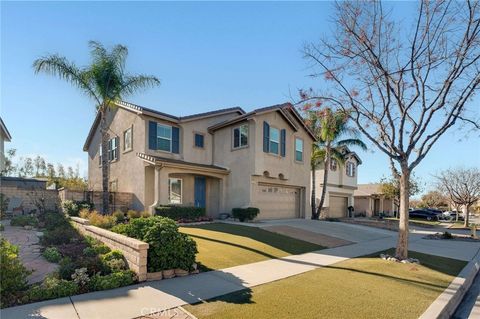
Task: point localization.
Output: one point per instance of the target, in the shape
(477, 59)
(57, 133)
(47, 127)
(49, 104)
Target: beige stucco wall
(2, 151)
(128, 170)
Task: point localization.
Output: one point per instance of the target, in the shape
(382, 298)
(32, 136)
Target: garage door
(277, 201)
(338, 207)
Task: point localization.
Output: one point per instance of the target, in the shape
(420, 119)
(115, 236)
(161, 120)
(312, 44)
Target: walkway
(142, 299)
(30, 255)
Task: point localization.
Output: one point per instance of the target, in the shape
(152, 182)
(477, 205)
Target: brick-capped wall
(134, 250)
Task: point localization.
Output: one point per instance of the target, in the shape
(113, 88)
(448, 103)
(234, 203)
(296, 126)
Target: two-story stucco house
(342, 182)
(218, 160)
(4, 137)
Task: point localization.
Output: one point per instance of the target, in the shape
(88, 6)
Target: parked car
(424, 214)
(452, 215)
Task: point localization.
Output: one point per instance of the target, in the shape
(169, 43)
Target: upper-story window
(163, 137)
(240, 136)
(127, 139)
(350, 169)
(113, 149)
(199, 140)
(100, 155)
(333, 165)
(274, 140)
(298, 149)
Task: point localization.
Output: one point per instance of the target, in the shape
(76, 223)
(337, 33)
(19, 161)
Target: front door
(200, 191)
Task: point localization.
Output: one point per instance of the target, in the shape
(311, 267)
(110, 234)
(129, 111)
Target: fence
(117, 200)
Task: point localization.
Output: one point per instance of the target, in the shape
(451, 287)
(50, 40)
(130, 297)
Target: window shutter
(175, 140)
(152, 135)
(266, 137)
(283, 135)
(117, 147)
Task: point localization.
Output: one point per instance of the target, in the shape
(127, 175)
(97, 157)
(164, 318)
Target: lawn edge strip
(446, 304)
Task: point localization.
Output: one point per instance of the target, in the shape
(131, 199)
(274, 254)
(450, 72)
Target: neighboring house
(219, 160)
(4, 137)
(370, 201)
(342, 182)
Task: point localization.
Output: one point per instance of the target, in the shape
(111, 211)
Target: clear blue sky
(208, 56)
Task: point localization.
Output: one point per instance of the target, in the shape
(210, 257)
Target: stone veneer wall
(134, 250)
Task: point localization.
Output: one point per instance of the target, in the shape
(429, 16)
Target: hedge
(180, 212)
(244, 214)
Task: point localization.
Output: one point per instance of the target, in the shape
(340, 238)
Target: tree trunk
(324, 188)
(402, 243)
(465, 214)
(314, 193)
(105, 162)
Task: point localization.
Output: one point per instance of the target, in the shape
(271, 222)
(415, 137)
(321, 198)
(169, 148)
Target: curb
(445, 305)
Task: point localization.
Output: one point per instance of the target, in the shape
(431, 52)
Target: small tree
(462, 186)
(403, 85)
(104, 81)
(391, 189)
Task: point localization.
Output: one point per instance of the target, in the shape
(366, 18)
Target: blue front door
(200, 191)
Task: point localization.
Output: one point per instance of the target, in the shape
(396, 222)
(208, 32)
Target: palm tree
(329, 128)
(105, 81)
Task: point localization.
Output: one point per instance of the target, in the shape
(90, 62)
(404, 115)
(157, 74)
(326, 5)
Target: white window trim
(100, 155)
(350, 169)
(239, 127)
(170, 189)
(126, 150)
(270, 140)
(302, 151)
(165, 138)
(116, 150)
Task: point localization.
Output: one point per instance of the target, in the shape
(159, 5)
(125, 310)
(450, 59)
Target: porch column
(380, 209)
(370, 206)
(160, 183)
(221, 197)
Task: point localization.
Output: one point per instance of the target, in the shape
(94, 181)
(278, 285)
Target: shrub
(66, 269)
(84, 213)
(447, 235)
(59, 236)
(83, 204)
(119, 216)
(180, 212)
(114, 280)
(54, 220)
(146, 214)
(13, 275)
(89, 252)
(168, 248)
(70, 208)
(51, 288)
(102, 221)
(244, 214)
(114, 254)
(115, 265)
(24, 220)
(93, 264)
(52, 255)
(81, 278)
(2, 228)
(132, 214)
(101, 249)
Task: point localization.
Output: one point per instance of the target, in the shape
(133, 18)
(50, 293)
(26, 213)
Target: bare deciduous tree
(462, 186)
(403, 87)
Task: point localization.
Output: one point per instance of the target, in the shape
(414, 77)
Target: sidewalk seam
(74, 308)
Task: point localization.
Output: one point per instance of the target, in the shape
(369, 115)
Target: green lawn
(226, 245)
(418, 222)
(365, 287)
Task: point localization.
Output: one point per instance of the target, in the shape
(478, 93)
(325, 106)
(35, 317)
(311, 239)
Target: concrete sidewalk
(141, 299)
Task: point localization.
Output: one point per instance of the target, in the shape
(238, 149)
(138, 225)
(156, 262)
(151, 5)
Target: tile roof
(153, 158)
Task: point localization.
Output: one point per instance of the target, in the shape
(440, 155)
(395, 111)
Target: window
(127, 140)
(164, 137)
(350, 169)
(100, 155)
(175, 190)
(113, 149)
(199, 140)
(298, 149)
(274, 140)
(240, 136)
(333, 165)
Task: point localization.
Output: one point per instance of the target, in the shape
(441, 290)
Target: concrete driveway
(350, 232)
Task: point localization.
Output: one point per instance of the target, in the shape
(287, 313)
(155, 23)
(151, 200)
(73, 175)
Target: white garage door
(338, 207)
(277, 201)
